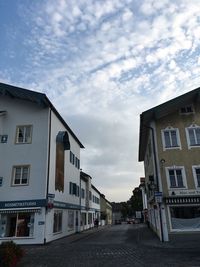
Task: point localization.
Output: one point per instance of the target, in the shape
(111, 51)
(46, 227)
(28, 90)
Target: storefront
(183, 213)
(22, 221)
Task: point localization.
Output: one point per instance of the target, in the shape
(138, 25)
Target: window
(70, 188)
(23, 134)
(74, 189)
(82, 193)
(170, 137)
(17, 224)
(185, 218)
(77, 191)
(196, 174)
(57, 223)
(193, 135)
(21, 175)
(71, 157)
(176, 177)
(186, 110)
(70, 220)
(77, 163)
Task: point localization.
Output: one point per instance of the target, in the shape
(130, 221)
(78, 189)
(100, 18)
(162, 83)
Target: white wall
(95, 205)
(83, 200)
(72, 174)
(21, 112)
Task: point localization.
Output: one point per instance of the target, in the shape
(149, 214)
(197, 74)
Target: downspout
(80, 201)
(48, 167)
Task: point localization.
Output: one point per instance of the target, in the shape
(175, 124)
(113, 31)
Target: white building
(90, 202)
(40, 169)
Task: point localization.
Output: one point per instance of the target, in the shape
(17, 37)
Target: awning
(36, 210)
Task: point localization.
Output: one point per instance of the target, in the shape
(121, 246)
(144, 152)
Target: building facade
(106, 211)
(90, 202)
(170, 148)
(40, 169)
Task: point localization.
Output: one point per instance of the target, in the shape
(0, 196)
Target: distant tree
(136, 200)
(129, 207)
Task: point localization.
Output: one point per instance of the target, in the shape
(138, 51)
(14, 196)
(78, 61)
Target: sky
(102, 63)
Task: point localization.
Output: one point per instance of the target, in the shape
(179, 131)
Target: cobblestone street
(120, 245)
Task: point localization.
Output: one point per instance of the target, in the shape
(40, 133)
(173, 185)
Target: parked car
(131, 221)
(118, 222)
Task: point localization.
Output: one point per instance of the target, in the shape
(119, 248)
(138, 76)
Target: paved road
(120, 245)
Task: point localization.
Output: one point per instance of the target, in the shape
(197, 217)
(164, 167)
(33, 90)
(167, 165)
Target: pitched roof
(35, 97)
(160, 111)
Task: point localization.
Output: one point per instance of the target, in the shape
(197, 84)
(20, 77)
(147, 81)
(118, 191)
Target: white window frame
(167, 169)
(21, 175)
(168, 129)
(24, 128)
(194, 167)
(193, 126)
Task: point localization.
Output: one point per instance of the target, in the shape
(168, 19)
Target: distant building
(106, 210)
(170, 148)
(90, 202)
(117, 215)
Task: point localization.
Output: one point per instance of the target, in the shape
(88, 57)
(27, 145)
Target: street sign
(158, 197)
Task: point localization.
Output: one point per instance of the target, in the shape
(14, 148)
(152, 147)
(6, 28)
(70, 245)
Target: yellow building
(170, 148)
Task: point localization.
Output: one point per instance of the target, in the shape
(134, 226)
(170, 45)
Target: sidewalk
(146, 237)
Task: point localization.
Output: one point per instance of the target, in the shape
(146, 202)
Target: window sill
(172, 147)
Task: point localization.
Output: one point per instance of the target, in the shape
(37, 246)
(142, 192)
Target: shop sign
(184, 192)
(22, 204)
(158, 197)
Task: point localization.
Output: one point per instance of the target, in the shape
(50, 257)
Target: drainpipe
(48, 170)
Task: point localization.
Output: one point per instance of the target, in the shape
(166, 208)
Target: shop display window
(17, 225)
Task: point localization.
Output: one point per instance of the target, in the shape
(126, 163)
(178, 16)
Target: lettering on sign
(185, 192)
(19, 204)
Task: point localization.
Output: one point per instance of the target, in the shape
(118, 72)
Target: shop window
(170, 137)
(196, 174)
(90, 218)
(185, 218)
(23, 134)
(83, 219)
(21, 175)
(17, 225)
(57, 223)
(70, 220)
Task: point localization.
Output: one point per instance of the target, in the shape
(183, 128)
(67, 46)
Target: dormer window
(170, 138)
(187, 110)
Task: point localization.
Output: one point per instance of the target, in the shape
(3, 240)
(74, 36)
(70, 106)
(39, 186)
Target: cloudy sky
(102, 63)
